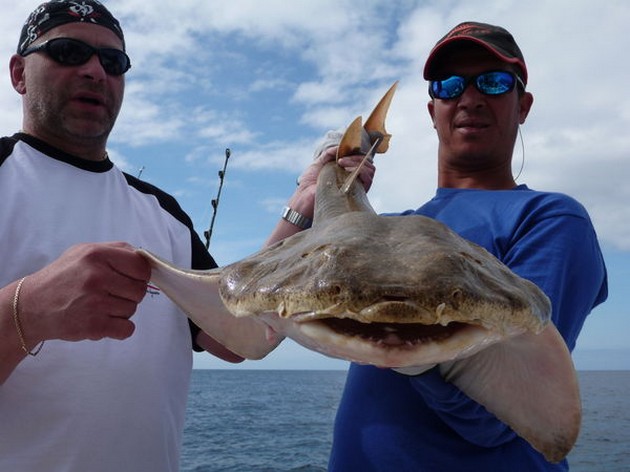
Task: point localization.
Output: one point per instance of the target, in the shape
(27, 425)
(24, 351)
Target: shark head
(392, 291)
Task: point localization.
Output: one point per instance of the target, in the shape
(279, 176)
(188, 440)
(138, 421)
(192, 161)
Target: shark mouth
(386, 344)
(400, 335)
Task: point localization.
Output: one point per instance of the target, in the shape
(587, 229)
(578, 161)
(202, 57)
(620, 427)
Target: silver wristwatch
(296, 218)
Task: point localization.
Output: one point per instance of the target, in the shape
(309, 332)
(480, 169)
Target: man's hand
(303, 199)
(89, 292)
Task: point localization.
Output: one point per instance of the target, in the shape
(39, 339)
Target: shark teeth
(393, 334)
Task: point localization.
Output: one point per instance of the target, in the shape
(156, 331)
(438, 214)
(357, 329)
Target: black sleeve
(201, 258)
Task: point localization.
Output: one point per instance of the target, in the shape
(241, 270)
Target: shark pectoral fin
(196, 293)
(375, 124)
(351, 140)
(528, 382)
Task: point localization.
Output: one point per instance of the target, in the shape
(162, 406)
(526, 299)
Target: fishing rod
(215, 201)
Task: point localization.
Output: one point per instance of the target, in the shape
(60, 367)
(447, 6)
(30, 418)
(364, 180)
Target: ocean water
(281, 421)
(604, 441)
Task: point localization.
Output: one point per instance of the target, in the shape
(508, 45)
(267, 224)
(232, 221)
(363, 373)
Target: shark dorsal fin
(358, 138)
(375, 124)
(368, 139)
(351, 140)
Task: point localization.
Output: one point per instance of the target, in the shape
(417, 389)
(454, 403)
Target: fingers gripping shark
(396, 292)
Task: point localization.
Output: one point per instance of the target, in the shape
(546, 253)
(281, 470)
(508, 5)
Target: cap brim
(428, 72)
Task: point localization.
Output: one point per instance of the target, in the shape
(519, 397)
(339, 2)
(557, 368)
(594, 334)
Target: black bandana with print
(58, 12)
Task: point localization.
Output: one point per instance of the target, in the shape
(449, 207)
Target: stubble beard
(54, 118)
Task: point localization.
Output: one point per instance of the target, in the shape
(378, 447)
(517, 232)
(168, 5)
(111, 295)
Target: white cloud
(290, 157)
(575, 138)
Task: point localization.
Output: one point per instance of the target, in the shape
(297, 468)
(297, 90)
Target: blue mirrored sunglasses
(488, 83)
(72, 52)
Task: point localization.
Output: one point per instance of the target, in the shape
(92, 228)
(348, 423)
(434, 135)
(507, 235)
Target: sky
(266, 80)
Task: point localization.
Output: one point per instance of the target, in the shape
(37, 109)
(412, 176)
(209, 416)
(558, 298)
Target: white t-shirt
(93, 405)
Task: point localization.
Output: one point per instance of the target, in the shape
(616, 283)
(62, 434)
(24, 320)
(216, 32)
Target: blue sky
(268, 78)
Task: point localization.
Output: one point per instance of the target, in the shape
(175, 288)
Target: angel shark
(397, 292)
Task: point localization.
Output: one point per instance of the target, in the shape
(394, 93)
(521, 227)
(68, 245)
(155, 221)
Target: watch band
(296, 218)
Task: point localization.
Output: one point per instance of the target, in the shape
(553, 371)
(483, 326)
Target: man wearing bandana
(94, 362)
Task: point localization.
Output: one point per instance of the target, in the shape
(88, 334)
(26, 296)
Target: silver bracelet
(296, 218)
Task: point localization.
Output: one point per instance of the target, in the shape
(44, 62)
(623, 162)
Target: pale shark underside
(399, 292)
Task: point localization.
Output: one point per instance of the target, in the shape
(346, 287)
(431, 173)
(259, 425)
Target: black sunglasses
(488, 83)
(72, 52)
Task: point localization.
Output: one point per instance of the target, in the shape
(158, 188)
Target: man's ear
(16, 68)
(525, 104)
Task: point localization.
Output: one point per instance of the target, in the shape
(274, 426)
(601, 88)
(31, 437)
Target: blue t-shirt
(387, 421)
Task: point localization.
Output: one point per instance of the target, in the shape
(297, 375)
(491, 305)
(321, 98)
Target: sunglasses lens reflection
(488, 83)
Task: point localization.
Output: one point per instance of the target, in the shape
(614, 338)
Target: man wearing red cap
(391, 421)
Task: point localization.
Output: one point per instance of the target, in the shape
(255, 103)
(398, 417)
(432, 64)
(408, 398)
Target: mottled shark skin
(399, 292)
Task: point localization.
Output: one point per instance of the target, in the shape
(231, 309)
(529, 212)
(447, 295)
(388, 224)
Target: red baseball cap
(495, 39)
